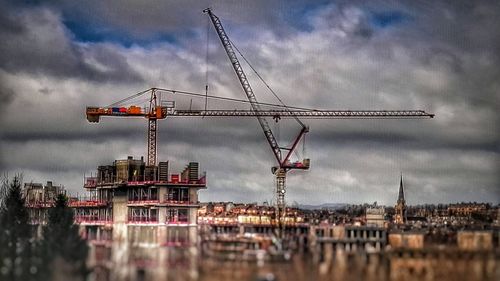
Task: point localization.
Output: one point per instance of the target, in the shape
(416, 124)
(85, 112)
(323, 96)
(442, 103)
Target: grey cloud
(36, 42)
(7, 94)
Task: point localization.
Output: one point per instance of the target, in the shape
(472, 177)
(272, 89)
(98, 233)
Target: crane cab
(304, 165)
(298, 165)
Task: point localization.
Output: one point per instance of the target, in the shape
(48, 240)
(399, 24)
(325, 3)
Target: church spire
(400, 217)
(401, 197)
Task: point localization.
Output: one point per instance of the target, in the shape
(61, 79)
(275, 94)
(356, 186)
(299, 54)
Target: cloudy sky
(59, 57)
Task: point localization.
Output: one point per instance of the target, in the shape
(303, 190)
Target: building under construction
(139, 203)
(39, 198)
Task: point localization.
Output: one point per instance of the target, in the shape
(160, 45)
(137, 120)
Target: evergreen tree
(62, 246)
(4, 189)
(16, 246)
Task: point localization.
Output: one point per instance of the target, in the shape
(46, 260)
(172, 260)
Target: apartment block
(130, 201)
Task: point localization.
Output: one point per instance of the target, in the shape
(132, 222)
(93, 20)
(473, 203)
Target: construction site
(287, 157)
(147, 218)
(143, 202)
(249, 140)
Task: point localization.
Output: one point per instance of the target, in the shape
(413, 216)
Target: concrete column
(162, 193)
(162, 215)
(193, 195)
(193, 215)
(120, 213)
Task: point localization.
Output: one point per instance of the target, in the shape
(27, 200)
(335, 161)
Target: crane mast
(152, 129)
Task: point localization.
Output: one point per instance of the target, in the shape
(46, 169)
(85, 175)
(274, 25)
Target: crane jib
(245, 84)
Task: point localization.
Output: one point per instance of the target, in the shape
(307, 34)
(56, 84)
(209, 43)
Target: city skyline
(60, 58)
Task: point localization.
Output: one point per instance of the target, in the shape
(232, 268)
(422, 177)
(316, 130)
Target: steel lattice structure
(311, 114)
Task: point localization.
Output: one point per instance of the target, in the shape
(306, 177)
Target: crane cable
(186, 93)
(206, 64)
(266, 84)
(129, 98)
(230, 99)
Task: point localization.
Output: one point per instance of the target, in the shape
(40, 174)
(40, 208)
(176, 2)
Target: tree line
(59, 253)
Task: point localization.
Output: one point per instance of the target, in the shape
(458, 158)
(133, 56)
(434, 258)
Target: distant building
(467, 209)
(400, 208)
(375, 215)
(228, 213)
(348, 238)
(39, 198)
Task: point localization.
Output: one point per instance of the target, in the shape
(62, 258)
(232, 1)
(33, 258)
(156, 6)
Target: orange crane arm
(94, 113)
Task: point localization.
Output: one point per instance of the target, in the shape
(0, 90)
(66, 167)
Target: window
(177, 195)
(177, 216)
(143, 215)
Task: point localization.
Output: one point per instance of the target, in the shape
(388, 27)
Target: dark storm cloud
(34, 41)
(192, 133)
(422, 134)
(180, 18)
(340, 55)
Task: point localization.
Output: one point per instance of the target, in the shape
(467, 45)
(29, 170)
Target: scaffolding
(177, 216)
(39, 198)
(94, 215)
(177, 195)
(143, 194)
(142, 215)
(94, 198)
(37, 215)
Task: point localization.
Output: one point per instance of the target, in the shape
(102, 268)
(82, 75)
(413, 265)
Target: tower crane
(158, 110)
(282, 154)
